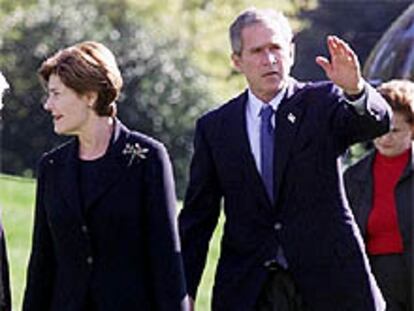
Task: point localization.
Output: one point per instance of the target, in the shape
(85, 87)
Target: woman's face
(398, 139)
(70, 111)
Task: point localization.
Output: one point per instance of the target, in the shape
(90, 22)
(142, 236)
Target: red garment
(383, 232)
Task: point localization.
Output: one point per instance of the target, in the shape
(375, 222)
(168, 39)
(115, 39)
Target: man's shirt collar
(255, 104)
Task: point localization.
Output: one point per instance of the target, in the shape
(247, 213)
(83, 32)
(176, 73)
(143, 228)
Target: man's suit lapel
(288, 119)
(237, 138)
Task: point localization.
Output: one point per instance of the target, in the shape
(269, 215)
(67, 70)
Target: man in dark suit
(289, 240)
(5, 299)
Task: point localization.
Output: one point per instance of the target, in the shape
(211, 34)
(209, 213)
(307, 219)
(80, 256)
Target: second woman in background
(380, 190)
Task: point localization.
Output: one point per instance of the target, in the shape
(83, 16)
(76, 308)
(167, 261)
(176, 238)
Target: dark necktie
(267, 138)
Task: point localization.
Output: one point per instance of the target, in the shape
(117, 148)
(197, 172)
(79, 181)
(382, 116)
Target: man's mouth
(270, 74)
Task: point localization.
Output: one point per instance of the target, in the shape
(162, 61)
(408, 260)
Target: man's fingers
(332, 46)
(343, 48)
(353, 56)
(324, 63)
(341, 52)
(339, 43)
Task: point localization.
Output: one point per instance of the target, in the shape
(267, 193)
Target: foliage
(163, 92)
(161, 46)
(7, 6)
(203, 24)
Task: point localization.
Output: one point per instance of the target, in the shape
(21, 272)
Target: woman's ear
(91, 98)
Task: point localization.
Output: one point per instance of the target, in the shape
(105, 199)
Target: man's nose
(270, 58)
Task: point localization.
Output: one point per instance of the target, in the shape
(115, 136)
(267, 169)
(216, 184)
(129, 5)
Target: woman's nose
(47, 104)
(386, 137)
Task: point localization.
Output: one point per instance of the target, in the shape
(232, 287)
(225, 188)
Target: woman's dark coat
(121, 248)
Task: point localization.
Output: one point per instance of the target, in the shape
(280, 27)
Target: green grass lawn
(16, 201)
(17, 206)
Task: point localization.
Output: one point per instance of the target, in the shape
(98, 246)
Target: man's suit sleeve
(166, 267)
(354, 125)
(358, 197)
(201, 211)
(40, 274)
(349, 188)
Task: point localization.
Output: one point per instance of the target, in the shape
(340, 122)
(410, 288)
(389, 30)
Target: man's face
(398, 139)
(265, 59)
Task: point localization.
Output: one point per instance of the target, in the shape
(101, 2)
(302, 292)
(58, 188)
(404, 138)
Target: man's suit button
(277, 226)
(89, 260)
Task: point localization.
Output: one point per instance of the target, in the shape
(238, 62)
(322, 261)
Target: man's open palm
(343, 69)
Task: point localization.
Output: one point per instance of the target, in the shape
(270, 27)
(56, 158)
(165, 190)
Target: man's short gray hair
(252, 16)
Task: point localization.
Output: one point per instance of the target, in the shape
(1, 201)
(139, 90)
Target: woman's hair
(400, 96)
(87, 67)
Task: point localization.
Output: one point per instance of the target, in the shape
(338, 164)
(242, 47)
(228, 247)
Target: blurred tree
(162, 95)
(7, 6)
(203, 24)
(161, 46)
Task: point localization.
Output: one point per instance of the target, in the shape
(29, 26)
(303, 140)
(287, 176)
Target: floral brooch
(135, 151)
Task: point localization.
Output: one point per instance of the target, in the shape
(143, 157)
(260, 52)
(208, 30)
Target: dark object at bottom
(279, 292)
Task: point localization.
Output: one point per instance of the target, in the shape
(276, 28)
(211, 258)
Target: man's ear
(236, 61)
(292, 51)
